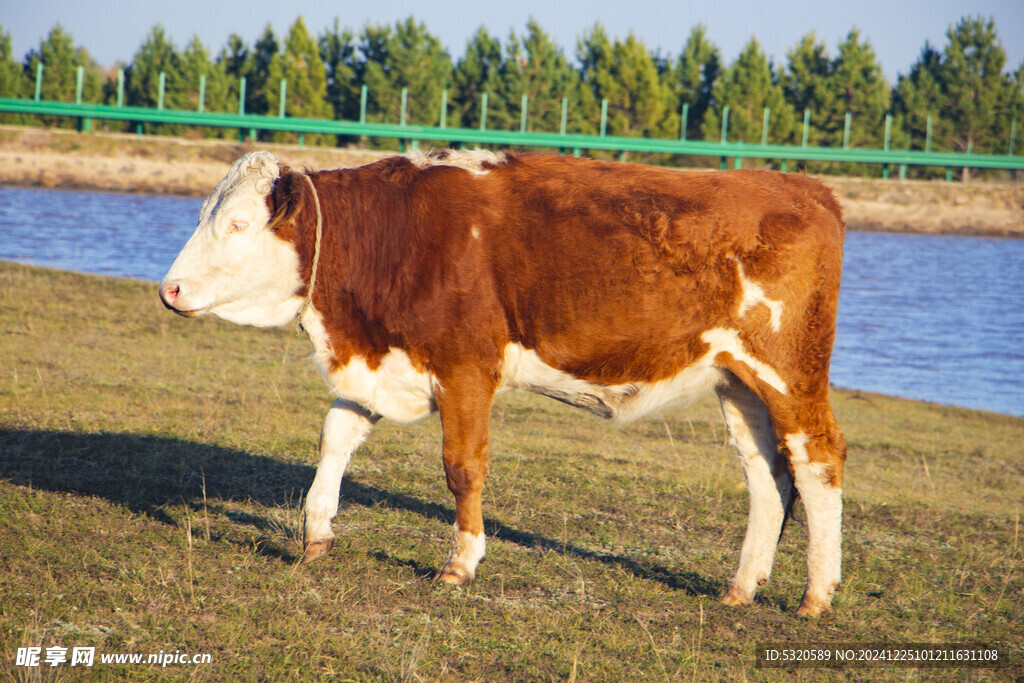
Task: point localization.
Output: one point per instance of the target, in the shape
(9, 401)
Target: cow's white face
(233, 267)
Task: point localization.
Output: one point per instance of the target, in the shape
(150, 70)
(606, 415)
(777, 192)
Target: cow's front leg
(465, 405)
(345, 427)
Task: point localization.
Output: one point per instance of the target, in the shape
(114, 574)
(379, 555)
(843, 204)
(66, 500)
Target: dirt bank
(127, 163)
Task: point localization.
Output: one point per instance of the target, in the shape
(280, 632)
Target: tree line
(958, 97)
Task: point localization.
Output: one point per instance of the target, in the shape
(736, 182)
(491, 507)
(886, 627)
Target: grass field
(152, 471)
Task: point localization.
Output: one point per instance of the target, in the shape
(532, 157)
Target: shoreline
(105, 162)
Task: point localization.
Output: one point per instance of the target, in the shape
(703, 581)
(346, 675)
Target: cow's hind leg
(345, 427)
(817, 462)
(769, 484)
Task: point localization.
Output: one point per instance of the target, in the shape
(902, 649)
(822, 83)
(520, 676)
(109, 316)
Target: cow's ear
(285, 198)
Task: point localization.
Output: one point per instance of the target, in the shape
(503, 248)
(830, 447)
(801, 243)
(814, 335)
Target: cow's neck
(318, 238)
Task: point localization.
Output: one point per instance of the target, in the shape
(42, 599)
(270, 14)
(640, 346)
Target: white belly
(522, 368)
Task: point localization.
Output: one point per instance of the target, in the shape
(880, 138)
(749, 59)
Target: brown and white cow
(440, 279)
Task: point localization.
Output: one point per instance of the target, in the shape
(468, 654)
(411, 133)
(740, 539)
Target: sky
(113, 30)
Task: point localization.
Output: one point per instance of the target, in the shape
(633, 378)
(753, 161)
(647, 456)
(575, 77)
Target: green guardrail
(412, 135)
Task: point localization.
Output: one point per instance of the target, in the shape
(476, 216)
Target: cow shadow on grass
(153, 475)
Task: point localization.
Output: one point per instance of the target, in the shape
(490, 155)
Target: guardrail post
(522, 114)
(202, 92)
(405, 106)
(764, 126)
(160, 92)
(903, 171)
(84, 122)
(604, 116)
(241, 106)
(444, 108)
(284, 95)
(807, 126)
(928, 135)
(846, 131)
(39, 80)
(120, 87)
(565, 116)
(888, 132)
(483, 112)
(363, 95)
(784, 166)
(682, 125)
(725, 134)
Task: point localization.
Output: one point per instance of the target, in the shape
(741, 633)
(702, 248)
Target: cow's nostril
(168, 293)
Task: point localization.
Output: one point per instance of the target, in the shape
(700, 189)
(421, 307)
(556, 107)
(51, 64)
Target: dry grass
(152, 471)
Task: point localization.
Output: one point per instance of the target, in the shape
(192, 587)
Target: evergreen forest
(960, 96)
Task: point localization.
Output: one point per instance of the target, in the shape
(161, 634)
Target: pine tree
(257, 76)
(142, 79)
(338, 53)
(694, 76)
(1010, 114)
(807, 86)
(640, 100)
(407, 57)
(971, 101)
(972, 78)
(859, 87)
(535, 67)
(747, 88)
(196, 66)
(595, 54)
(234, 61)
(195, 63)
(917, 98)
(300, 67)
(13, 81)
(61, 60)
(478, 72)
(642, 108)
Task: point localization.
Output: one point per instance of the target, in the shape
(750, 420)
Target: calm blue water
(935, 318)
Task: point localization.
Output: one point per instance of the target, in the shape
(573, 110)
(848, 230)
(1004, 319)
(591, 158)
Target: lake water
(936, 318)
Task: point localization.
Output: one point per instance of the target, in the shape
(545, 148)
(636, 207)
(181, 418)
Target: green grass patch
(152, 471)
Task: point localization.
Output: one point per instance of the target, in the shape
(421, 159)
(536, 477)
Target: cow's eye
(238, 226)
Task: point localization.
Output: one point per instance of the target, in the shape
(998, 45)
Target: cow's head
(235, 266)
